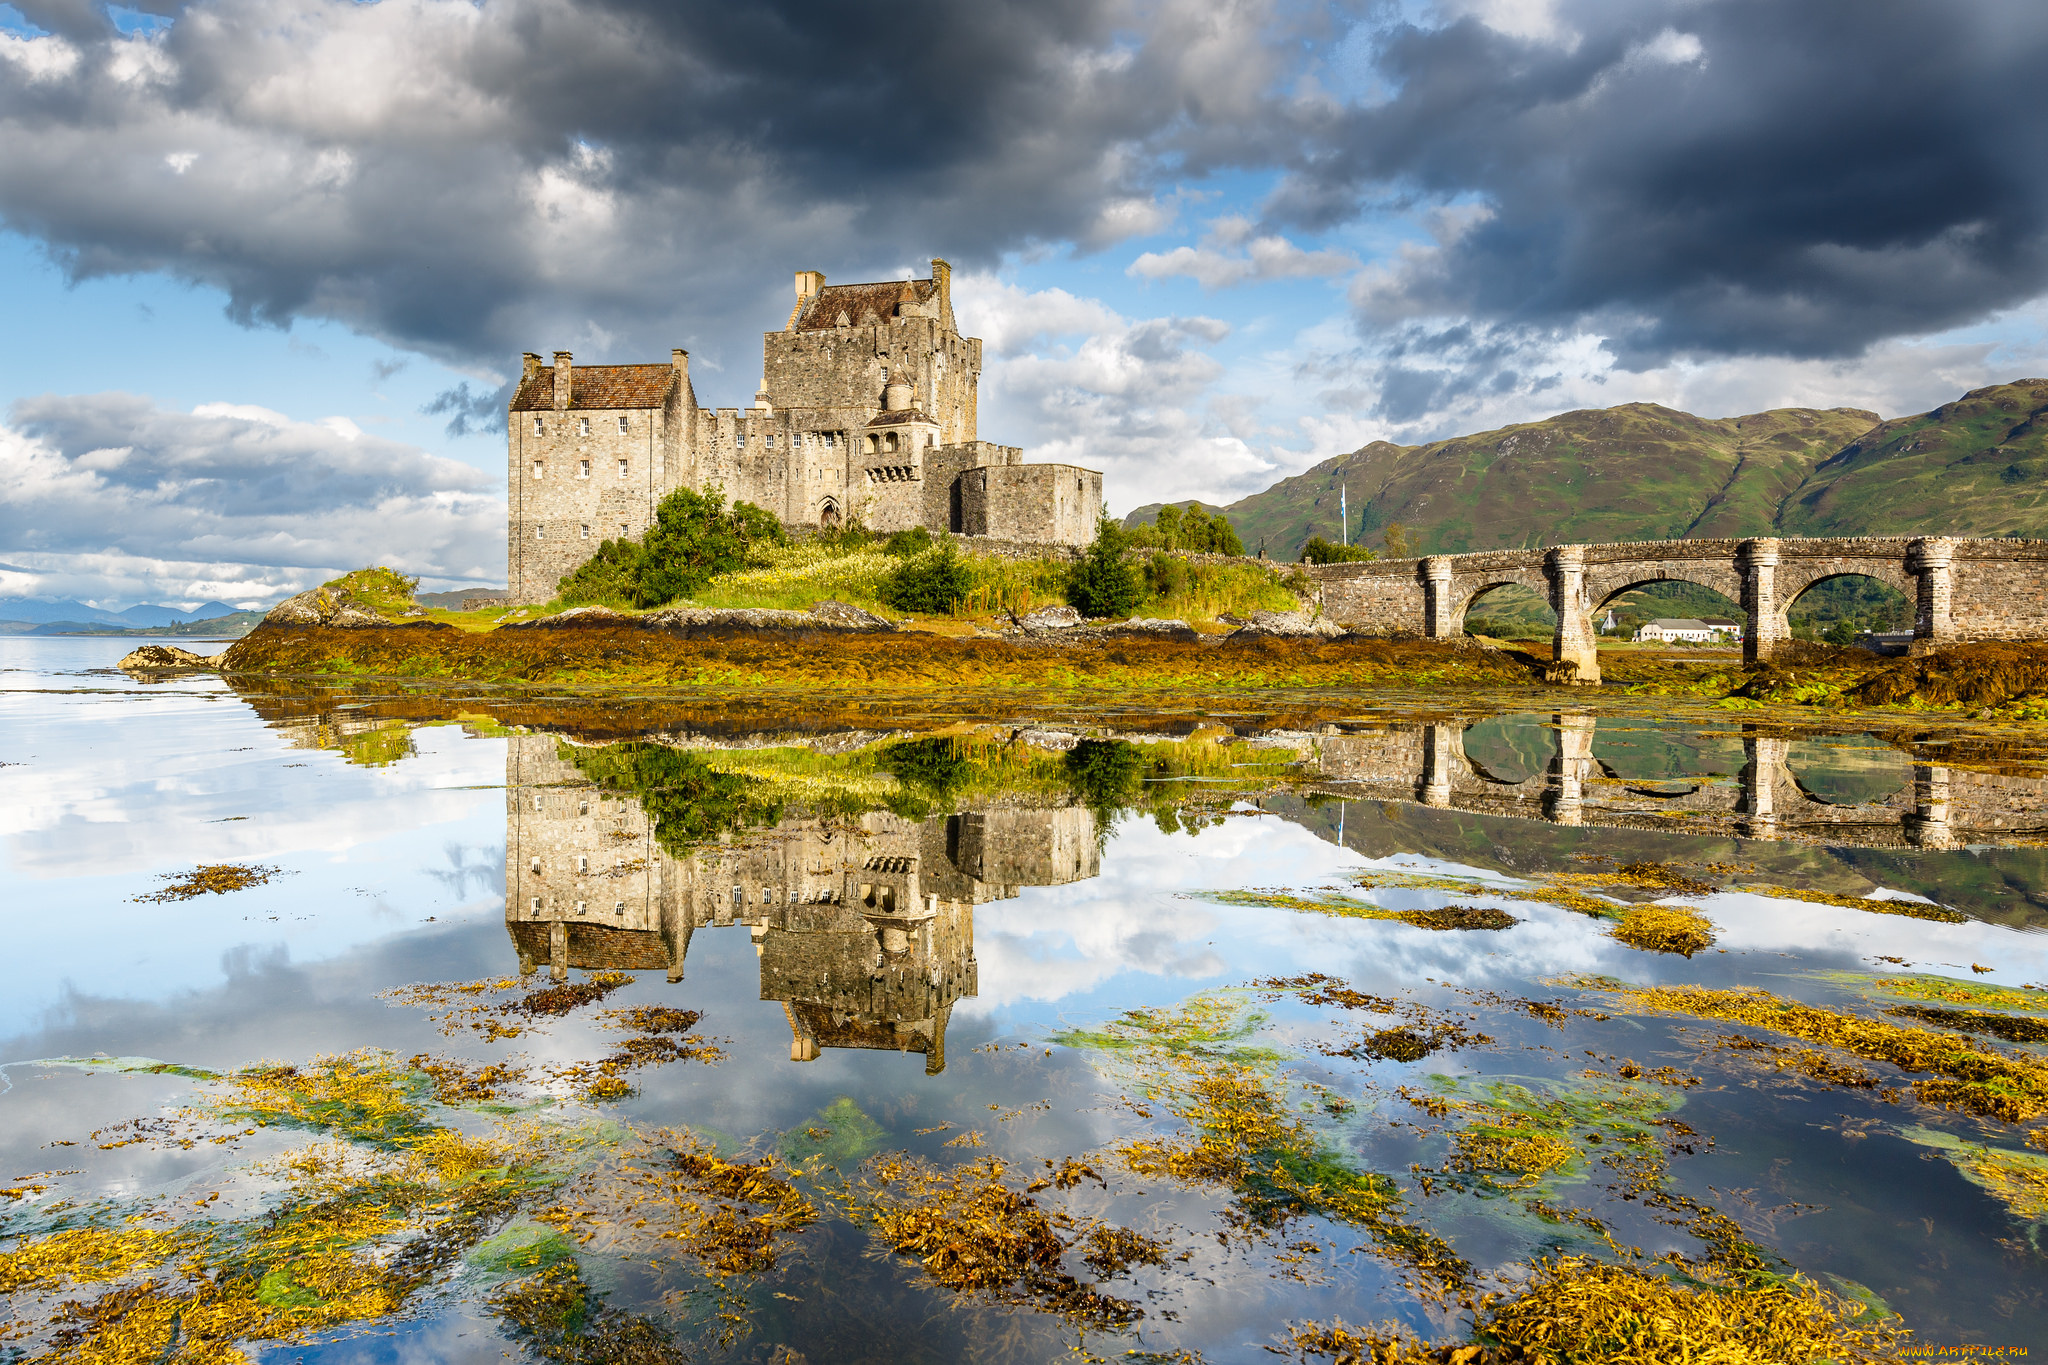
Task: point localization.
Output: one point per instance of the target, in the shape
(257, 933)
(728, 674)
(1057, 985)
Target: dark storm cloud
(1707, 176)
(473, 180)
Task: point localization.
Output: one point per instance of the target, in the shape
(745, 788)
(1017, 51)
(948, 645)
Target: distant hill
(233, 625)
(1974, 467)
(1978, 466)
(1634, 472)
(44, 616)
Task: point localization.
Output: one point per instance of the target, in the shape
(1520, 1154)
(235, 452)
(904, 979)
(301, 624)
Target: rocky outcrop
(1152, 627)
(166, 659)
(1287, 625)
(698, 622)
(340, 609)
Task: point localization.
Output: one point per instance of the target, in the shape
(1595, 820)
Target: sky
(268, 264)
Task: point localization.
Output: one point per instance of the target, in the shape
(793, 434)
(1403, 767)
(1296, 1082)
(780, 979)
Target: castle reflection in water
(864, 927)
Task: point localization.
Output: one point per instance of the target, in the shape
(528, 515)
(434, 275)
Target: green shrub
(1166, 576)
(904, 544)
(608, 576)
(1102, 584)
(695, 537)
(1104, 773)
(1320, 551)
(933, 583)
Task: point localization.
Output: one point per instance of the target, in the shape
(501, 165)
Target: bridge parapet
(1962, 589)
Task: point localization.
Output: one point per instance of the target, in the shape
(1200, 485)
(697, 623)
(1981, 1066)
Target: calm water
(893, 942)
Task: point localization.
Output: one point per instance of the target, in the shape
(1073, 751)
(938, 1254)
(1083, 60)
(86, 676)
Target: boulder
(1048, 618)
(1288, 625)
(336, 608)
(846, 616)
(165, 659)
(1153, 626)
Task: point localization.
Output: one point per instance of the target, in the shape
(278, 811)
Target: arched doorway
(829, 516)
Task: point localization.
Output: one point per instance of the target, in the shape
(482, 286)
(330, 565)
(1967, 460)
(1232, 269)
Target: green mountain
(1978, 466)
(1974, 467)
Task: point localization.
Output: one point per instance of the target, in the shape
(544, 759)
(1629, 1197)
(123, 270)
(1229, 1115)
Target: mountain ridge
(1642, 471)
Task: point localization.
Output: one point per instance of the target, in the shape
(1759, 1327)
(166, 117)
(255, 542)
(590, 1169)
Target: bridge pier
(1438, 774)
(1761, 773)
(1440, 609)
(1574, 650)
(1929, 825)
(1766, 630)
(1564, 801)
(1932, 559)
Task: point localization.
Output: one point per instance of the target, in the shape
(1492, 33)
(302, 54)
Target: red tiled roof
(598, 386)
(857, 301)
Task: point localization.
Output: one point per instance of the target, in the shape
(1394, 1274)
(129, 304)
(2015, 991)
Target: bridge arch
(1466, 595)
(1601, 600)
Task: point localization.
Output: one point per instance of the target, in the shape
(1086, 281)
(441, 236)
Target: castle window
(582, 865)
(828, 440)
(583, 469)
(539, 468)
(622, 528)
(536, 811)
(582, 906)
(538, 429)
(540, 533)
(622, 463)
(767, 895)
(618, 907)
(584, 429)
(739, 896)
(740, 440)
(586, 531)
(622, 426)
(536, 905)
(534, 866)
(771, 440)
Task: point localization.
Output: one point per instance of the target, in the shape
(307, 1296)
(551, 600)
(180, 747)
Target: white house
(1667, 630)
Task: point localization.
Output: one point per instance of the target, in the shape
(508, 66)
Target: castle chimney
(679, 361)
(809, 282)
(564, 374)
(529, 367)
(942, 276)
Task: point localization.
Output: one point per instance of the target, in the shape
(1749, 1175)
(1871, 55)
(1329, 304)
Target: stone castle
(866, 412)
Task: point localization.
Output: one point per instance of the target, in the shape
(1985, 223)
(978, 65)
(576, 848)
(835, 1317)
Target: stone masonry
(867, 411)
(1963, 589)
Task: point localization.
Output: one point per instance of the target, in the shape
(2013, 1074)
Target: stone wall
(1043, 503)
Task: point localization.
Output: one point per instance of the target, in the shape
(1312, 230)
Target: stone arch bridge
(1963, 589)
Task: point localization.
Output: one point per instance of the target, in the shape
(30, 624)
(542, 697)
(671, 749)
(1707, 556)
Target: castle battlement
(867, 411)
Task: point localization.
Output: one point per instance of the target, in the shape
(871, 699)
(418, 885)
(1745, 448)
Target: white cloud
(1218, 263)
(1082, 384)
(107, 496)
(40, 59)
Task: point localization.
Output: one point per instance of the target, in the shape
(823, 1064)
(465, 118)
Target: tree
(1169, 524)
(695, 538)
(1320, 551)
(1102, 584)
(1396, 540)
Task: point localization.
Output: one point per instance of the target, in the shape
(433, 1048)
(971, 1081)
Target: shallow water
(894, 943)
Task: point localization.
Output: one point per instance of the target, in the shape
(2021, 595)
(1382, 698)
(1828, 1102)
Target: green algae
(839, 1135)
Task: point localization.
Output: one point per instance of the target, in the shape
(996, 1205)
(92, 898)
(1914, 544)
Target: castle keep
(866, 411)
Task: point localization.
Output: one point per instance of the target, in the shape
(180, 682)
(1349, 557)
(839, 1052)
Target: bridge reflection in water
(864, 926)
(1934, 807)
